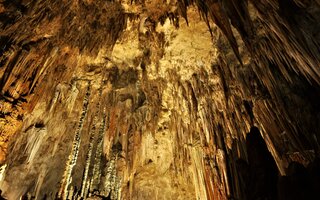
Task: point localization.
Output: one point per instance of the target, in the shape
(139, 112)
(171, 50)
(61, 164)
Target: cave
(160, 99)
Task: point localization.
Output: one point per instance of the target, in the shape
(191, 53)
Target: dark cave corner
(259, 178)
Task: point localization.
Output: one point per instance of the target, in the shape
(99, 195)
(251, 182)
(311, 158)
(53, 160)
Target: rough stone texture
(176, 99)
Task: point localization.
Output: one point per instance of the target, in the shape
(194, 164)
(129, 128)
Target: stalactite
(85, 181)
(85, 187)
(95, 180)
(34, 141)
(166, 107)
(111, 182)
(64, 189)
(2, 171)
(40, 181)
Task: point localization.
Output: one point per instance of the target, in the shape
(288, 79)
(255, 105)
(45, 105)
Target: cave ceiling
(150, 99)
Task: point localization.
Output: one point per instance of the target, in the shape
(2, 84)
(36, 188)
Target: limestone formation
(150, 99)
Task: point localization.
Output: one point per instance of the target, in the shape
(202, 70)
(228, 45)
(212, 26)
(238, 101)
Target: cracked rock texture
(150, 99)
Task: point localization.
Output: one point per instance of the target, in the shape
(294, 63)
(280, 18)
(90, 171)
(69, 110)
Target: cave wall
(158, 100)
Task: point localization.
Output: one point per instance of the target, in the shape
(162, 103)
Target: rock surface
(175, 99)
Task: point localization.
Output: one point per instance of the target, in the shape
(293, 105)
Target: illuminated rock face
(159, 100)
